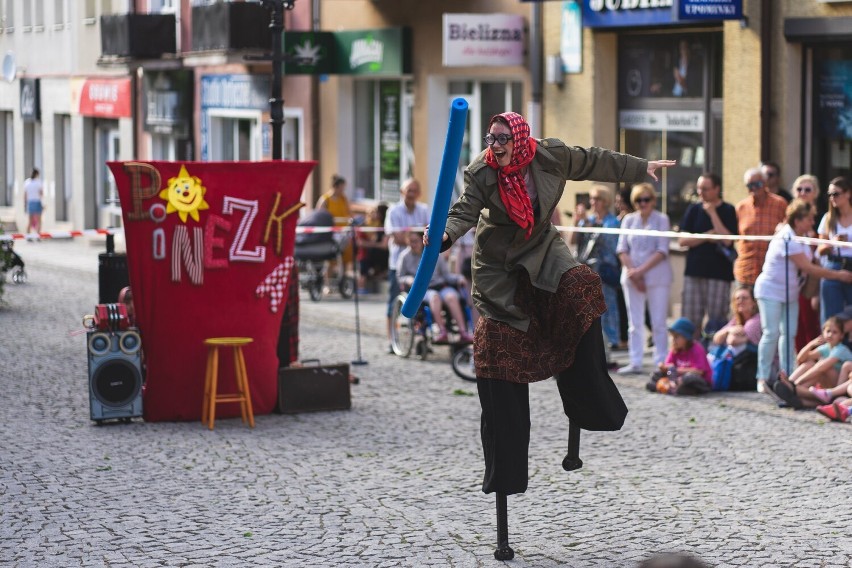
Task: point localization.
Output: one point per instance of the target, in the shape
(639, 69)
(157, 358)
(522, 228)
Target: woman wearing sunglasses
(836, 226)
(539, 306)
(646, 277)
(806, 188)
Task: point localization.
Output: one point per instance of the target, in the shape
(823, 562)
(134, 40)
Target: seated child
(686, 369)
(819, 363)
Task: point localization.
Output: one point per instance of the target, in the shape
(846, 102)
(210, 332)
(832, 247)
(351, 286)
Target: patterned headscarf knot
(510, 179)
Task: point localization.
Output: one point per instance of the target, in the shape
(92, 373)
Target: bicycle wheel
(462, 363)
(402, 329)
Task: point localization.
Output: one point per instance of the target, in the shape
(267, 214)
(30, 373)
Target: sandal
(787, 393)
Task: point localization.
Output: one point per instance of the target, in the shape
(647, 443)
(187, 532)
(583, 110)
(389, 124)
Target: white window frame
(296, 113)
(256, 116)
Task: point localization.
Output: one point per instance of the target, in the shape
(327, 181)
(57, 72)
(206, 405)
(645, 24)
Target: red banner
(209, 251)
(107, 98)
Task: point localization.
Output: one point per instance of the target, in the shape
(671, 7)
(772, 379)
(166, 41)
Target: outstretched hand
(656, 164)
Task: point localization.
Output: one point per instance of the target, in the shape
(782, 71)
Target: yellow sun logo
(185, 195)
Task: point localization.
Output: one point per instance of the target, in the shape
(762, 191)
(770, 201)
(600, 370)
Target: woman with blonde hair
(836, 226)
(646, 276)
(806, 188)
(777, 290)
(597, 250)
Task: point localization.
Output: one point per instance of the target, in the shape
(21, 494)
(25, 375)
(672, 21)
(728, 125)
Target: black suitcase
(313, 388)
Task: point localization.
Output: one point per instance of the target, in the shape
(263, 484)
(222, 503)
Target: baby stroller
(12, 262)
(313, 251)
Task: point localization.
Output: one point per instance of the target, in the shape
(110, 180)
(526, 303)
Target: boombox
(115, 374)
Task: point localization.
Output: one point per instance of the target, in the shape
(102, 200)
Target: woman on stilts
(539, 306)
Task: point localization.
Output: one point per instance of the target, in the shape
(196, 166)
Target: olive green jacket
(501, 249)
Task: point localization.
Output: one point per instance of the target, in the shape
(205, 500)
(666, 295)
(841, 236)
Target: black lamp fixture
(276, 99)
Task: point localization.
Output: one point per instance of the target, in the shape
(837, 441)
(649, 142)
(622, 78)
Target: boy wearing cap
(686, 369)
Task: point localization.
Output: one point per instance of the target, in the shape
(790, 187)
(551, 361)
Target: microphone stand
(352, 224)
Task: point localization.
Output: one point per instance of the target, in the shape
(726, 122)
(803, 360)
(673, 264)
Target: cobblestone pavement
(395, 481)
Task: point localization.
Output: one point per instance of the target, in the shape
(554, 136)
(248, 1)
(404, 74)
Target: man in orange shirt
(758, 214)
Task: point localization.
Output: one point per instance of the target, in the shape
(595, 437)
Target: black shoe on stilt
(572, 461)
(504, 551)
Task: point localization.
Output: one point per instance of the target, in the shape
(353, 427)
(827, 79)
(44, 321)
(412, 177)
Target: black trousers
(589, 398)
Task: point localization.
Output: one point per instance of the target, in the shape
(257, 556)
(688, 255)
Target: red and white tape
(58, 234)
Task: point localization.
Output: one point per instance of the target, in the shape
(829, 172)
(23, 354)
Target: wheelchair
(416, 334)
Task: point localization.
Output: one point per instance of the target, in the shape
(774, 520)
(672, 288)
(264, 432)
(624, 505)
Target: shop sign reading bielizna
(483, 39)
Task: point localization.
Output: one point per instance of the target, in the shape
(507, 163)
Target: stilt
(504, 551)
(572, 461)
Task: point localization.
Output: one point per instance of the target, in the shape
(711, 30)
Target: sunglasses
(833, 193)
(804, 189)
(503, 139)
(641, 200)
(752, 185)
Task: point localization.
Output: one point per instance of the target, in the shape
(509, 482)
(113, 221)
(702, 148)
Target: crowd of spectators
(747, 305)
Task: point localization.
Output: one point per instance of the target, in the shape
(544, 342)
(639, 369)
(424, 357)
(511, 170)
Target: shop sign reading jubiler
(483, 40)
(616, 13)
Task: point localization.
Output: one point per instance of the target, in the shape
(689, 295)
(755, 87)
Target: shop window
(63, 161)
(831, 113)
(670, 107)
(7, 159)
(59, 13)
(234, 135)
(8, 15)
(382, 138)
(485, 99)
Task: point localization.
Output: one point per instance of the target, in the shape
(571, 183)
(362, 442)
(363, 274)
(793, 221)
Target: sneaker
(441, 338)
(630, 370)
(835, 411)
(823, 395)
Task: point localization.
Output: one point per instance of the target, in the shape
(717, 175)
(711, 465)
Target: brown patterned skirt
(557, 322)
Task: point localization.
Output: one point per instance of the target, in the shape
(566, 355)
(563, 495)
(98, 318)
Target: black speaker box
(112, 276)
(115, 374)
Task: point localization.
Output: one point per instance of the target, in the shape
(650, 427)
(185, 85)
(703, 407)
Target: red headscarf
(513, 188)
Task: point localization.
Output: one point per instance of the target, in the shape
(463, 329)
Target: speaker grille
(116, 382)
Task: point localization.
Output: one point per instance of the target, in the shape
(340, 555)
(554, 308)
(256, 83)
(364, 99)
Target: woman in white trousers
(646, 276)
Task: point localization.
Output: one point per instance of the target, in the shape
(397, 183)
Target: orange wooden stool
(211, 396)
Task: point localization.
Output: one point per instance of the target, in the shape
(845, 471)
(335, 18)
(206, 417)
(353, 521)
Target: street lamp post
(277, 57)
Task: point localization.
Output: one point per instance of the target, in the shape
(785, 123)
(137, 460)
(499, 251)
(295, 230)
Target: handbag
(810, 289)
(729, 252)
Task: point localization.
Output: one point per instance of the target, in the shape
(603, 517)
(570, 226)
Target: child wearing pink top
(686, 369)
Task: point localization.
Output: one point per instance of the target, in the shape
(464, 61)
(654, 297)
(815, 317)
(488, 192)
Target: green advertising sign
(382, 52)
(390, 96)
(311, 53)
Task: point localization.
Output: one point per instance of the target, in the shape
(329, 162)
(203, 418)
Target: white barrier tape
(677, 235)
(561, 228)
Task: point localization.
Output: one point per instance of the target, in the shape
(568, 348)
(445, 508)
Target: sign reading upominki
(475, 40)
(210, 254)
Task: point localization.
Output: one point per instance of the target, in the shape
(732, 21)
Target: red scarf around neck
(513, 188)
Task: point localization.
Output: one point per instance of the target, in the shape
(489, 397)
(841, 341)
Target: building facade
(90, 81)
(380, 127)
(771, 84)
